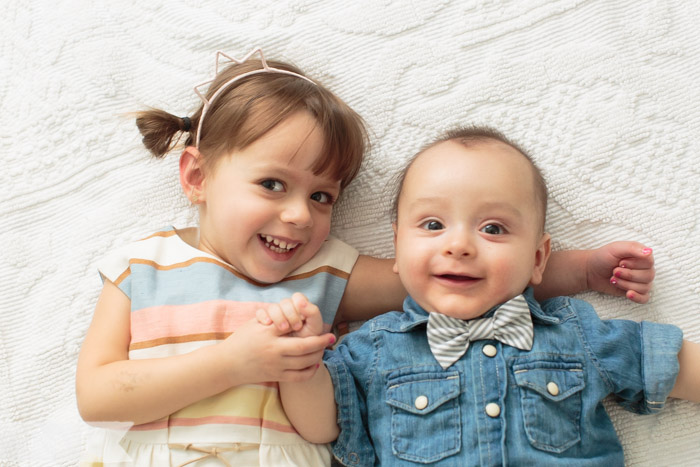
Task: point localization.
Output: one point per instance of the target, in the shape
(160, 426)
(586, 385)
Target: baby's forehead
(482, 158)
(483, 152)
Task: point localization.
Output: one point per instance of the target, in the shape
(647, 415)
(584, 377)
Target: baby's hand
(296, 315)
(621, 268)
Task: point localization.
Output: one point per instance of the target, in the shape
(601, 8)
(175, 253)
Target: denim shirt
(497, 405)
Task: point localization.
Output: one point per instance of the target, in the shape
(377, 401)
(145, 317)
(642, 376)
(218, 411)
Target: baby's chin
(459, 310)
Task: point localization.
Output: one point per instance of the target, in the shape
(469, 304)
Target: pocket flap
(553, 380)
(422, 393)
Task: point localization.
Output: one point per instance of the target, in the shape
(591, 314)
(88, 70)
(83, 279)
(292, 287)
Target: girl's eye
(321, 197)
(272, 185)
(433, 225)
(492, 229)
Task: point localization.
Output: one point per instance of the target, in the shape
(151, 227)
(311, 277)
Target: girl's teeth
(279, 245)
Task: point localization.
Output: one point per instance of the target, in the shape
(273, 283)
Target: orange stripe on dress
(202, 259)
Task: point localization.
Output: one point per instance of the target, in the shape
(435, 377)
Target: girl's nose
(297, 212)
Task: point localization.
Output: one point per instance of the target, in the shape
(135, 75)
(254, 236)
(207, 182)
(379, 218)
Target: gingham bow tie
(449, 337)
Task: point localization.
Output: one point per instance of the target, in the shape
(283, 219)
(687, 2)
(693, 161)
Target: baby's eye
(272, 185)
(321, 197)
(493, 229)
(433, 225)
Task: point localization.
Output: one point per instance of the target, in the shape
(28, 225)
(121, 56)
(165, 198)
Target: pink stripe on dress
(215, 317)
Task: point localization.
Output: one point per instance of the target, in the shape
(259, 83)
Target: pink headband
(265, 69)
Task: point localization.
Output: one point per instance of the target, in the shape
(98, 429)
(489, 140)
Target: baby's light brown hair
(470, 137)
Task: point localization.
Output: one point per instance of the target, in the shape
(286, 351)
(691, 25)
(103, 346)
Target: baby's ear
(192, 175)
(544, 248)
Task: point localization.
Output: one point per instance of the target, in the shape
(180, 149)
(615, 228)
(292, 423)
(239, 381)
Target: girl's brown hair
(253, 106)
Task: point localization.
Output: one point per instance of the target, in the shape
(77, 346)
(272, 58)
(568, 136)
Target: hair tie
(187, 123)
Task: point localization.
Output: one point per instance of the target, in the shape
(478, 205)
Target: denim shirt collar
(414, 315)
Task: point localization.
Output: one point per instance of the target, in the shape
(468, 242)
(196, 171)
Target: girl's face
(263, 209)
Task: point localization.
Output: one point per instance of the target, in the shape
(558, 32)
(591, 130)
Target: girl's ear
(192, 175)
(541, 256)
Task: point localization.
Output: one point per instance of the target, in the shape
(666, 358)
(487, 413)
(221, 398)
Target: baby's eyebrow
(498, 206)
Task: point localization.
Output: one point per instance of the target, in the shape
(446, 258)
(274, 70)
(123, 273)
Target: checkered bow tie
(449, 337)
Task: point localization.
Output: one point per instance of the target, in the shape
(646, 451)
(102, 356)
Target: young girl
(174, 348)
(475, 371)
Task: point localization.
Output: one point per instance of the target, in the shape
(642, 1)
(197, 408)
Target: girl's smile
(281, 247)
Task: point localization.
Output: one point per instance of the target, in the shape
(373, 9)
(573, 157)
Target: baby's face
(468, 231)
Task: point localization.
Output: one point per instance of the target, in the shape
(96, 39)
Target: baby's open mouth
(276, 245)
(456, 277)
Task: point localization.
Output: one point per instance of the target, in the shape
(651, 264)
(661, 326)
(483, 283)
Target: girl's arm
(110, 387)
(374, 288)
(310, 407)
(688, 381)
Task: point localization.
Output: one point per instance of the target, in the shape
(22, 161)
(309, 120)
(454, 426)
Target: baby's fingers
(274, 314)
(304, 306)
(263, 317)
(291, 313)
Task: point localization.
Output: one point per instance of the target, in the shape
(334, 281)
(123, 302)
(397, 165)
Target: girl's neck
(189, 235)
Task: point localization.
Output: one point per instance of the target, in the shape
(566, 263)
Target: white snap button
(421, 402)
(489, 350)
(493, 410)
(552, 388)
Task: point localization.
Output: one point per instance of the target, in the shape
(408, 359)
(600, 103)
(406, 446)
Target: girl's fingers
(299, 346)
(636, 297)
(638, 259)
(636, 291)
(640, 276)
(302, 362)
(639, 263)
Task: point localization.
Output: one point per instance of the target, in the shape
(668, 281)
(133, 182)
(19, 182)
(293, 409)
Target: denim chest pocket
(424, 403)
(550, 398)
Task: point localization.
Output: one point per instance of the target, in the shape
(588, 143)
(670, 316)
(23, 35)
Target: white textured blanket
(604, 93)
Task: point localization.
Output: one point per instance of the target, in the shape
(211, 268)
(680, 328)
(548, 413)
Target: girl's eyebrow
(272, 170)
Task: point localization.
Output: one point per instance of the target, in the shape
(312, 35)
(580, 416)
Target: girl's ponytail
(159, 128)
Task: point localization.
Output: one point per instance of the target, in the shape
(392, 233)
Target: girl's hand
(296, 315)
(621, 268)
(270, 356)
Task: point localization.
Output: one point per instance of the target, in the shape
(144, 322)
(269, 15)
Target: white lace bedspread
(605, 94)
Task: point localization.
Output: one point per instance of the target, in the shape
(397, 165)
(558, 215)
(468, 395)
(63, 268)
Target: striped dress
(183, 299)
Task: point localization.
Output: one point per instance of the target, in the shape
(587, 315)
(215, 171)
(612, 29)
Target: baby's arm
(110, 387)
(688, 381)
(309, 405)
